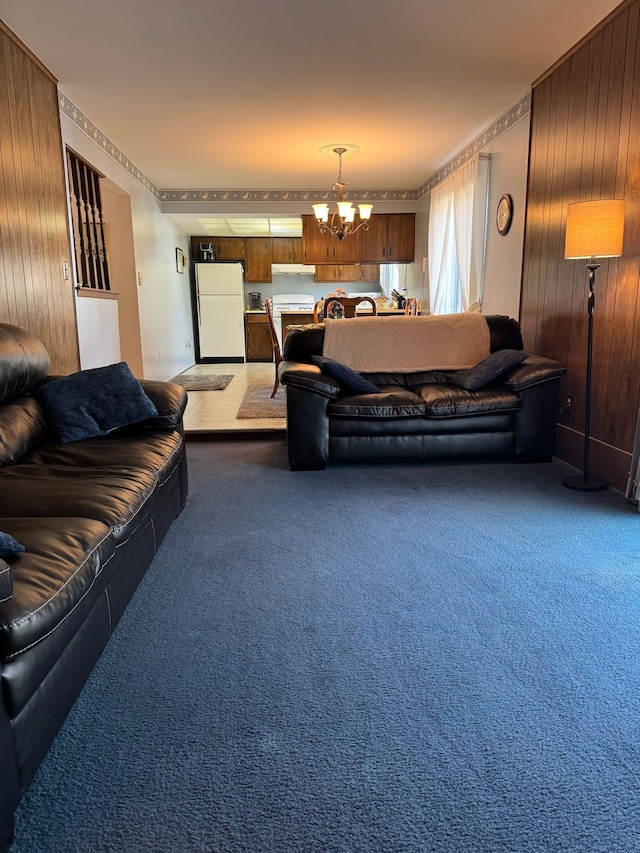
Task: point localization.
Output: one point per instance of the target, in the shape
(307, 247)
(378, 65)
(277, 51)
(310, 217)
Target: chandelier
(341, 222)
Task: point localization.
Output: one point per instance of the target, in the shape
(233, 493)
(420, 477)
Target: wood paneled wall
(585, 144)
(34, 237)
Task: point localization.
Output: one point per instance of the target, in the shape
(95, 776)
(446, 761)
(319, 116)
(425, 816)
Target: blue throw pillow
(95, 402)
(488, 369)
(9, 545)
(347, 377)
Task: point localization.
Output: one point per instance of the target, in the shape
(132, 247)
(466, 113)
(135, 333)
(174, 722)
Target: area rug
(390, 658)
(258, 403)
(203, 382)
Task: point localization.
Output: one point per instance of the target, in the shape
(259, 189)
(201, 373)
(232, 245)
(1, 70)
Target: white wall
(305, 284)
(503, 261)
(98, 336)
(417, 280)
(164, 300)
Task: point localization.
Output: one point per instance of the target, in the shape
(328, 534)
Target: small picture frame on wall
(179, 261)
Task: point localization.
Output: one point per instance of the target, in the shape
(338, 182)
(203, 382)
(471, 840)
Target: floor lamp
(594, 230)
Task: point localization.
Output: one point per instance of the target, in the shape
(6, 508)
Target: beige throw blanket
(407, 344)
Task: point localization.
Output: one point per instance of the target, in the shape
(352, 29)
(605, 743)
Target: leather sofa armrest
(534, 370)
(6, 581)
(169, 399)
(308, 377)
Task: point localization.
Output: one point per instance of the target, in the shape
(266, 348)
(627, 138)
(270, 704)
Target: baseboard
(604, 460)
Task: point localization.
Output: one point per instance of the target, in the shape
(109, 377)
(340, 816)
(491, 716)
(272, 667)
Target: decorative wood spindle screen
(92, 268)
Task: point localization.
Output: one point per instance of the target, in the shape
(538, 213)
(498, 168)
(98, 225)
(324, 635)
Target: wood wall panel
(585, 144)
(34, 237)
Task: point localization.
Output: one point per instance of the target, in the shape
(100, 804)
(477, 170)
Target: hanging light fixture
(342, 219)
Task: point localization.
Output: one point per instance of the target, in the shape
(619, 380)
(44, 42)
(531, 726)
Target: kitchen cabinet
(287, 250)
(318, 247)
(229, 248)
(258, 253)
(259, 257)
(258, 337)
(347, 272)
(390, 238)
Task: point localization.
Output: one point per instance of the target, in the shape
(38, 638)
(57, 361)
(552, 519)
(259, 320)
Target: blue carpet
(378, 659)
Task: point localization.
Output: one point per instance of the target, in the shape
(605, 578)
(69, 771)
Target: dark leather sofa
(91, 515)
(420, 416)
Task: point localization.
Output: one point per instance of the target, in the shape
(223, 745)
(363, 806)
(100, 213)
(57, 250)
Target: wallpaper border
(501, 125)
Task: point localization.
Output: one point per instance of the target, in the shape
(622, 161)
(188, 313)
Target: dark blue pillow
(488, 369)
(95, 402)
(347, 377)
(9, 545)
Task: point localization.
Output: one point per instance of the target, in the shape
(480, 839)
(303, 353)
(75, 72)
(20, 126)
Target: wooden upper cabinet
(390, 238)
(259, 256)
(318, 247)
(347, 272)
(401, 237)
(287, 250)
(229, 248)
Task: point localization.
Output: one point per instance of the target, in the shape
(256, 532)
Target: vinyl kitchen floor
(211, 412)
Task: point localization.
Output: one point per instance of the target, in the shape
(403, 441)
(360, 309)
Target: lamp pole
(583, 482)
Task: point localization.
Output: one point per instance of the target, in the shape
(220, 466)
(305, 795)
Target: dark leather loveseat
(420, 415)
(90, 516)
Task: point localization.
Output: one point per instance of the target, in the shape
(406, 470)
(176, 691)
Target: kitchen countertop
(310, 311)
(360, 311)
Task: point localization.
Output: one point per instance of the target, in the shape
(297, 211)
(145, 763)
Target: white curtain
(457, 225)
(463, 186)
(443, 297)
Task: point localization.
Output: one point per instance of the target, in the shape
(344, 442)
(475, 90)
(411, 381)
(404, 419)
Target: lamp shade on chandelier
(341, 222)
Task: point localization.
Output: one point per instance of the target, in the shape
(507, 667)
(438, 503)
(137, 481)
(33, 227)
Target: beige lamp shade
(595, 229)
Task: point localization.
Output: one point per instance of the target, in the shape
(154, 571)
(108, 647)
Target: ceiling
(242, 94)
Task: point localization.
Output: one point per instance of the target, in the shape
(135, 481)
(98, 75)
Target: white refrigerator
(220, 312)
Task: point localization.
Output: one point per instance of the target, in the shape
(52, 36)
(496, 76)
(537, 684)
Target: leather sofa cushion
(389, 403)
(63, 575)
(62, 559)
(157, 452)
(120, 498)
(23, 427)
(6, 581)
(446, 401)
(432, 400)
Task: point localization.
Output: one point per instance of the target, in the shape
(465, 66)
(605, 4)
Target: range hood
(293, 269)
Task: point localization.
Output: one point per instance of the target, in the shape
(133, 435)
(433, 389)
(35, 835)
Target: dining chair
(349, 304)
(275, 343)
(411, 307)
(317, 310)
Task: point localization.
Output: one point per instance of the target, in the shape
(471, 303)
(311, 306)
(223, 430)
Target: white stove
(289, 302)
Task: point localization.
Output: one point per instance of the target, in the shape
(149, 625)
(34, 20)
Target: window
(457, 234)
(393, 277)
(92, 269)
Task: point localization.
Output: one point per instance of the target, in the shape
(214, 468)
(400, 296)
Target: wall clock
(504, 214)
